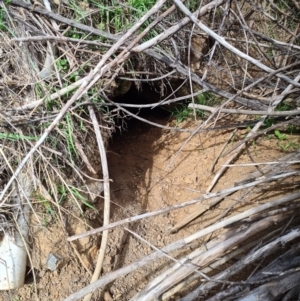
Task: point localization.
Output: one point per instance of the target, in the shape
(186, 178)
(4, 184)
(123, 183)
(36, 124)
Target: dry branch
(251, 257)
(106, 186)
(188, 203)
(196, 260)
(242, 66)
(222, 41)
(64, 20)
(244, 112)
(176, 245)
(87, 82)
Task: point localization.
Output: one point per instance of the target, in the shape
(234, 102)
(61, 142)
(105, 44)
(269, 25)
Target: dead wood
(243, 56)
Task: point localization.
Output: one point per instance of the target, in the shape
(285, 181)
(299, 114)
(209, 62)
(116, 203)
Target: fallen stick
(244, 112)
(215, 265)
(190, 264)
(176, 245)
(106, 186)
(223, 42)
(179, 206)
(87, 82)
(248, 259)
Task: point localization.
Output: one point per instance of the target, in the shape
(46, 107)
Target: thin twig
(178, 244)
(244, 112)
(197, 258)
(246, 260)
(106, 186)
(182, 205)
(223, 42)
(87, 82)
(221, 150)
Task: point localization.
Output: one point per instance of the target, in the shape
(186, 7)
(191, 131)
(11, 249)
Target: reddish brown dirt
(148, 172)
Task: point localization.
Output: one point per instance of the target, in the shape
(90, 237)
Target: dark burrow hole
(146, 97)
(131, 156)
(134, 145)
(128, 128)
(133, 135)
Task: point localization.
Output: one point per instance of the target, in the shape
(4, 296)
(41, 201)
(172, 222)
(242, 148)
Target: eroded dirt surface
(150, 169)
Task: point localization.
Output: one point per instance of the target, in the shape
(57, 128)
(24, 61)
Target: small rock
(108, 259)
(96, 188)
(107, 297)
(54, 262)
(88, 261)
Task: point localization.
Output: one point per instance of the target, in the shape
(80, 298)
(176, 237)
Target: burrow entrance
(149, 172)
(150, 168)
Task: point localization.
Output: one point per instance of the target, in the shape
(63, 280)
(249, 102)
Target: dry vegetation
(61, 74)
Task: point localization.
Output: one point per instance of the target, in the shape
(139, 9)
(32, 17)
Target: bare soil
(150, 169)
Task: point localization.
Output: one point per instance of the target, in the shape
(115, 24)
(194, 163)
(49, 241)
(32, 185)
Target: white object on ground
(13, 252)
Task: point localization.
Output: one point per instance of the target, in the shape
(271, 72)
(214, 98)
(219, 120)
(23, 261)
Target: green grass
(281, 107)
(279, 135)
(2, 20)
(79, 10)
(62, 193)
(39, 90)
(65, 128)
(69, 137)
(285, 143)
(192, 5)
(3, 24)
(182, 112)
(17, 137)
(62, 64)
(288, 144)
(116, 17)
(80, 197)
(49, 212)
(207, 99)
(113, 16)
(292, 14)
